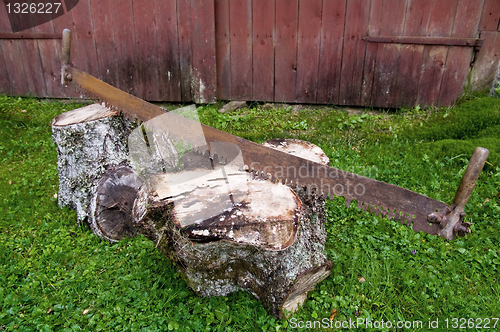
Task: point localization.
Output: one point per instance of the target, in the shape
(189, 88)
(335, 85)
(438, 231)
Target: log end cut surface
(228, 205)
(116, 193)
(83, 114)
(299, 148)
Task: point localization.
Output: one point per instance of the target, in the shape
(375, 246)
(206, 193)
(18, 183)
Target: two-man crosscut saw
(407, 207)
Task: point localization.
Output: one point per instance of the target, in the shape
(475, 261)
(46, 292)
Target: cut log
(226, 232)
(111, 209)
(89, 140)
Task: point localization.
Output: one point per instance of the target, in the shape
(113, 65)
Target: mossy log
(226, 231)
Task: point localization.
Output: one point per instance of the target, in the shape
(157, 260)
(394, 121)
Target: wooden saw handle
(454, 219)
(66, 47)
(470, 177)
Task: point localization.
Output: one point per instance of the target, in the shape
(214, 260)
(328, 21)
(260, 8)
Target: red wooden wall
(155, 49)
(316, 51)
(306, 51)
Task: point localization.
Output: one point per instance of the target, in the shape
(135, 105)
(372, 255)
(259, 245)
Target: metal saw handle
(66, 48)
(454, 221)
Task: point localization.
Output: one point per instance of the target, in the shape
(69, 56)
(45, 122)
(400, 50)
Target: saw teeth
(364, 206)
(348, 202)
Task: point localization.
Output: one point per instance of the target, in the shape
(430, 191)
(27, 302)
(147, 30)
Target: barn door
(418, 52)
(382, 53)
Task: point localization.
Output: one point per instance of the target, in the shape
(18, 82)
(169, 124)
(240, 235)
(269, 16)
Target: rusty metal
(405, 206)
(419, 40)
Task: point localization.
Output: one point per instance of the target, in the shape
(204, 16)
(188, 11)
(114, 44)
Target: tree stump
(89, 141)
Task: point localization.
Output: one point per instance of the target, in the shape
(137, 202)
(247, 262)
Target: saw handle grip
(66, 48)
(470, 177)
(454, 221)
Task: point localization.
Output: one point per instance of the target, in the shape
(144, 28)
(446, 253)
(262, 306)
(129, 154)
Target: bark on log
(223, 230)
(89, 140)
(241, 234)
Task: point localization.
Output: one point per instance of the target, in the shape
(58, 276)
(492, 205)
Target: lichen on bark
(85, 151)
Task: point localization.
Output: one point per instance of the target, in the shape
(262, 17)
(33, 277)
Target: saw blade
(377, 197)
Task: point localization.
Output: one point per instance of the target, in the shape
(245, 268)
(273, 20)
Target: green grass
(56, 275)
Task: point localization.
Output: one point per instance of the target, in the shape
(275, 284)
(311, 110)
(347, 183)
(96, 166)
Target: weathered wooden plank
(491, 16)
(168, 50)
(11, 70)
(83, 43)
(4, 75)
(373, 29)
(444, 41)
(184, 29)
(330, 56)
(5, 21)
(416, 24)
(487, 61)
(434, 58)
(147, 54)
(33, 68)
(29, 35)
(104, 41)
(223, 49)
(460, 58)
(28, 49)
(49, 56)
(240, 22)
(122, 20)
(357, 15)
(467, 19)
(285, 62)
(204, 77)
(263, 50)
(308, 46)
(387, 64)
